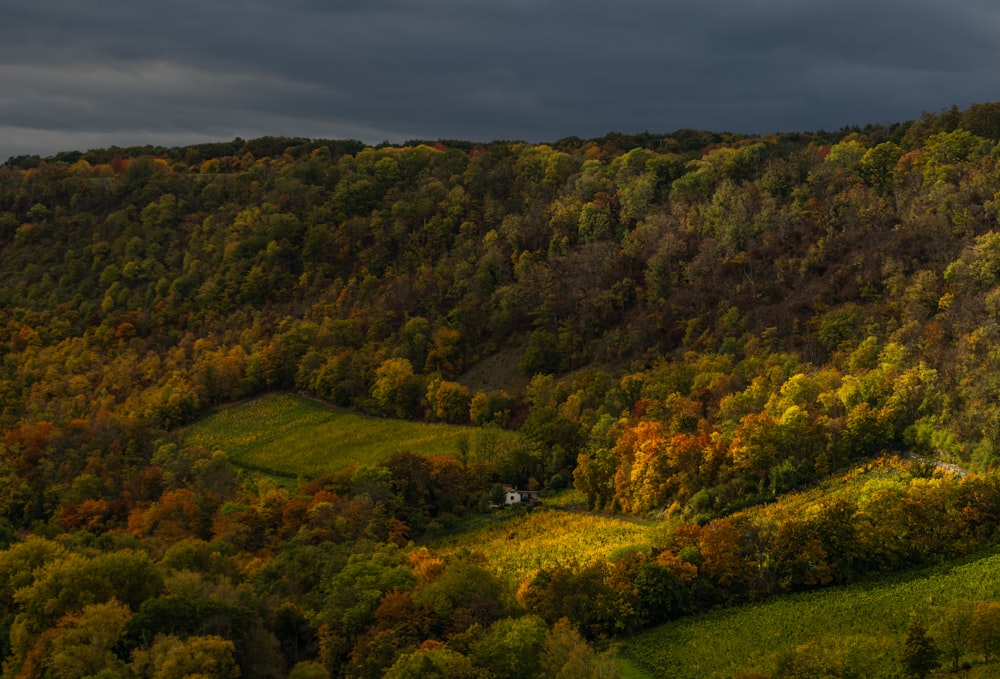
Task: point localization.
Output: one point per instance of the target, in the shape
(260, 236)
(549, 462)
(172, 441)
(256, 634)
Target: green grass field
(290, 436)
(862, 625)
(516, 545)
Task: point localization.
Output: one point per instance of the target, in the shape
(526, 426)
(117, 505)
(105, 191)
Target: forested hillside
(702, 321)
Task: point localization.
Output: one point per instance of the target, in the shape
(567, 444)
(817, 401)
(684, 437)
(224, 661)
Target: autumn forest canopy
(683, 327)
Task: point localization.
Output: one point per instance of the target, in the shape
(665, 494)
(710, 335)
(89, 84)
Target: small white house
(513, 496)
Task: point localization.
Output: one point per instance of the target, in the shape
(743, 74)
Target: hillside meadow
(516, 544)
(859, 628)
(292, 436)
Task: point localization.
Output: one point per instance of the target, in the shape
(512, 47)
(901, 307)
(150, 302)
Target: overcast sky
(79, 75)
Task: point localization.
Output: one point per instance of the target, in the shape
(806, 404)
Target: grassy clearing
(517, 544)
(288, 435)
(862, 625)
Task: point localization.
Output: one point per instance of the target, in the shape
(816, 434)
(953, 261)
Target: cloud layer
(82, 75)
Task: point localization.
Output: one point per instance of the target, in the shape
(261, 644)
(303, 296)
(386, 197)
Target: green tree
(351, 596)
(878, 165)
(463, 594)
(845, 155)
(449, 401)
(171, 657)
(183, 616)
(984, 633)
(415, 340)
(86, 642)
(659, 592)
(583, 596)
(567, 655)
(595, 222)
(541, 353)
(433, 663)
(982, 120)
(920, 654)
(308, 669)
(397, 391)
(22, 563)
(952, 630)
(946, 151)
(69, 585)
(511, 648)
(490, 408)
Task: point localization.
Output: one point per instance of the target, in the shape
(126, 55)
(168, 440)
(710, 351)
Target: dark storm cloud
(79, 75)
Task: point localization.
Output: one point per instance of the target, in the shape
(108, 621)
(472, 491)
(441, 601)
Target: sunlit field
(292, 436)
